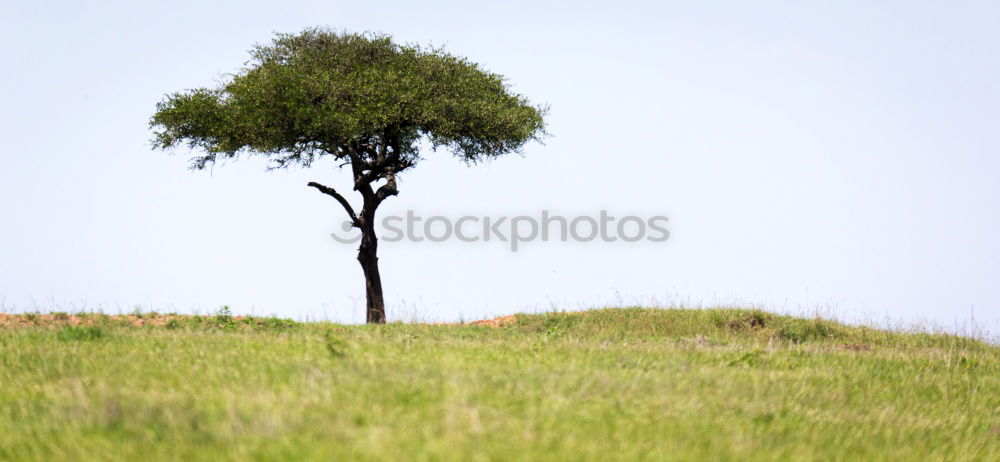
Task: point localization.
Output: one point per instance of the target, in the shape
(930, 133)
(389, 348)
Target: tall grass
(618, 384)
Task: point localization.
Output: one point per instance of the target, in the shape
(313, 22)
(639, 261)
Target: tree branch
(389, 188)
(347, 205)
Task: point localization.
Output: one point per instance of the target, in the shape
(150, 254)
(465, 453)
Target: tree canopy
(320, 93)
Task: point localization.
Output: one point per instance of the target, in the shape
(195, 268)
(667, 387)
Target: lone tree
(358, 98)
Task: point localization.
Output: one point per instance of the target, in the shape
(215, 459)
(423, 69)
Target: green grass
(617, 384)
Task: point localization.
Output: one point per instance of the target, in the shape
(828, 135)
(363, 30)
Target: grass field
(616, 384)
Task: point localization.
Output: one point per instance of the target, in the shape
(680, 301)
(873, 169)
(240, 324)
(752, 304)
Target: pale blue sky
(810, 155)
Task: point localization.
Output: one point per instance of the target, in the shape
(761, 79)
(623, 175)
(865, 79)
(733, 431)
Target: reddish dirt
(62, 319)
(156, 319)
(495, 322)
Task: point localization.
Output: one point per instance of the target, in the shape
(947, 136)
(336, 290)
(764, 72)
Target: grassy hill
(599, 385)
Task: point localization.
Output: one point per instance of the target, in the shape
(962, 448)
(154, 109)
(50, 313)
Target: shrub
(224, 316)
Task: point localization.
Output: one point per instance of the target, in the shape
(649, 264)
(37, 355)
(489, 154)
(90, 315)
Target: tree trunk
(367, 256)
(368, 251)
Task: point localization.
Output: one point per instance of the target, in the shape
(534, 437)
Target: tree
(361, 99)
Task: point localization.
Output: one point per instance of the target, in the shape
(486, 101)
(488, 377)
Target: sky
(812, 157)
